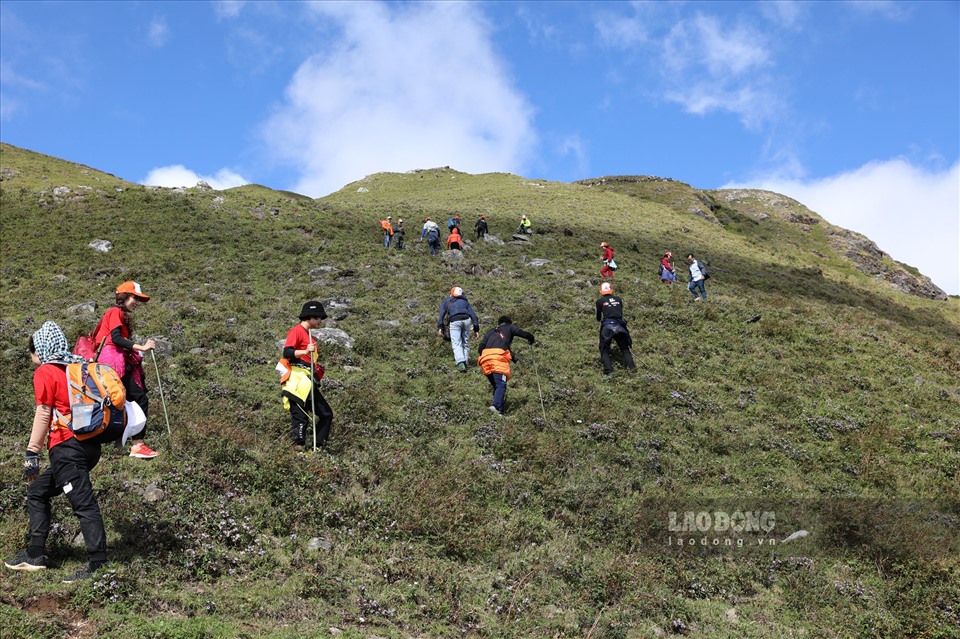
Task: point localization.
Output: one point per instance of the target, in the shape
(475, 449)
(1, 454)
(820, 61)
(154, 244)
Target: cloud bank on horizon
(816, 101)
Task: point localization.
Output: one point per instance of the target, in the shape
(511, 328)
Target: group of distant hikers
(96, 393)
(393, 235)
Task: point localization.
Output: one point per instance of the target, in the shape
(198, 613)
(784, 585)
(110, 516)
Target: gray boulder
(452, 256)
(537, 263)
(493, 239)
(82, 309)
(333, 336)
(102, 246)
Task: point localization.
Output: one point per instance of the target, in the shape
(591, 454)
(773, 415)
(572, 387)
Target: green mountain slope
(838, 411)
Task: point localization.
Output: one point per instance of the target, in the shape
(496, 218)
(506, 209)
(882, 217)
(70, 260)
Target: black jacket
(502, 337)
(609, 307)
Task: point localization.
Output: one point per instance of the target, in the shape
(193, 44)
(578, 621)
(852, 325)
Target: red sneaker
(142, 451)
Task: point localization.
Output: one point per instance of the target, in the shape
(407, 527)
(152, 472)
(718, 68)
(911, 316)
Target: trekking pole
(313, 392)
(163, 400)
(536, 373)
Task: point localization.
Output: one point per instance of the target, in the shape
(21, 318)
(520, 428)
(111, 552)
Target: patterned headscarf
(51, 345)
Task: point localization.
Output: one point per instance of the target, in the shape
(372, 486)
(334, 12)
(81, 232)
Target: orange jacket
(455, 237)
(495, 360)
(387, 227)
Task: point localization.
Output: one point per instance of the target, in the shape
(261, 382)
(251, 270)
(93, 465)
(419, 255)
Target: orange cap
(603, 245)
(456, 291)
(134, 289)
(606, 288)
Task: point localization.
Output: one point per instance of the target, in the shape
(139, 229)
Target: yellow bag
(298, 384)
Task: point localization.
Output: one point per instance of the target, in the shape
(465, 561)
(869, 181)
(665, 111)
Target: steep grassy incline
(839, 410)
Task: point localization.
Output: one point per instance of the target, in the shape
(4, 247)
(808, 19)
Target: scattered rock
(388, 323)
(731, 615)
(493, 239)
(203, 186)
(61, 190)
(477, 270)
(320, 270)
(412, 304)
(363, 190)
(352, 369)
(102, 246)
(521, 237)
(452, 256)
(319, 543)
(538, 263)
(571, 273)
(82, 309)
(153, 493)
(416, 319)
(336, 303)
(164, 347)
(218, 200)
(333, 336)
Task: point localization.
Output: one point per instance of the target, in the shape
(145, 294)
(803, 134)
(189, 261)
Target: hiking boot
(23, 561)
(84, 573)
(142, 451)
(462, 367)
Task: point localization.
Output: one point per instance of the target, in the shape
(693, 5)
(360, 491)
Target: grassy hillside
(838, 411)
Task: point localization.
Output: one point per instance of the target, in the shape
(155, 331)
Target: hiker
(613, 328)
(608, 264)
(301, 389)
(524, 228)
(126, 357)
(698, 277)
(399, 233)
(432, 234)
(71, 460)
(454, 241)
(481, 227)
(495, 358)
(387, 226)
(453, 223)
(460, 315)
(667, 274)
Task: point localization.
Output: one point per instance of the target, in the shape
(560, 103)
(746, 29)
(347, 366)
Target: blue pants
(387, 238)
(499, 383)
(460, 340)
(697, 285)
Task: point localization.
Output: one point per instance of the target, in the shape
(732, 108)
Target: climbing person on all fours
(495, 357)
(613, 328)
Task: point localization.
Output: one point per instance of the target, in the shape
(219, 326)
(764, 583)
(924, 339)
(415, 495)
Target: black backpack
(703, 270)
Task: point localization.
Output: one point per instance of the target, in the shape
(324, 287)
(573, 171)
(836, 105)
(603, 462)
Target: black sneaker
(23, 561)
(84, 573)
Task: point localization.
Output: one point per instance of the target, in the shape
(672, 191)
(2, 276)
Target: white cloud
(893, 11)
(158, 32)
(179, 175)
(404, 86)
(228, 8)
(910, 212)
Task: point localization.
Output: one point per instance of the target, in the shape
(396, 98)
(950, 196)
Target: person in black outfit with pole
(495, 358)
(613, 328)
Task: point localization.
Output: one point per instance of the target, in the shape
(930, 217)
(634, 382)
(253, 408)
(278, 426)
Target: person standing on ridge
(301, 380)
(698, 277)
(124, 356)
(612, 328)
(399, 233)
(460, 316)
(481, 227)
(667, 274)
(71, 460)
(608, 264)
(387, 226)
(495, 358)
(454, 241)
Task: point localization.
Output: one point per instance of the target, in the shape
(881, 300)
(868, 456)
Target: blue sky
(853, 108)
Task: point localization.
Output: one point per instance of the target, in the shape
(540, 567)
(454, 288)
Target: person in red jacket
(301, 392)
(608, 263)
(124, 356)
(667, 274)
(71, 460)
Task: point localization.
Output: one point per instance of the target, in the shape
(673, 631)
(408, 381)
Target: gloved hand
(31, 465)
(531, 340)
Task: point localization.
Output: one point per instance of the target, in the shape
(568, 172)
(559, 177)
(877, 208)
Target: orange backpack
(97, 399)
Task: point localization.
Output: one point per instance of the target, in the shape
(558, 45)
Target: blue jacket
(458, 308)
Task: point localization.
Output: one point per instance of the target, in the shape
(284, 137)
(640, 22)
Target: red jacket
(607, 254)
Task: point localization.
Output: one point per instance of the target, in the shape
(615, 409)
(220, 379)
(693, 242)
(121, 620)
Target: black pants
(138, 395)
(69, 473)
(300, 420)
(620, 335)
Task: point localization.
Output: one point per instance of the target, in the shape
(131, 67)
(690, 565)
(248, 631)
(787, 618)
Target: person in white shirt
(697, 278)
